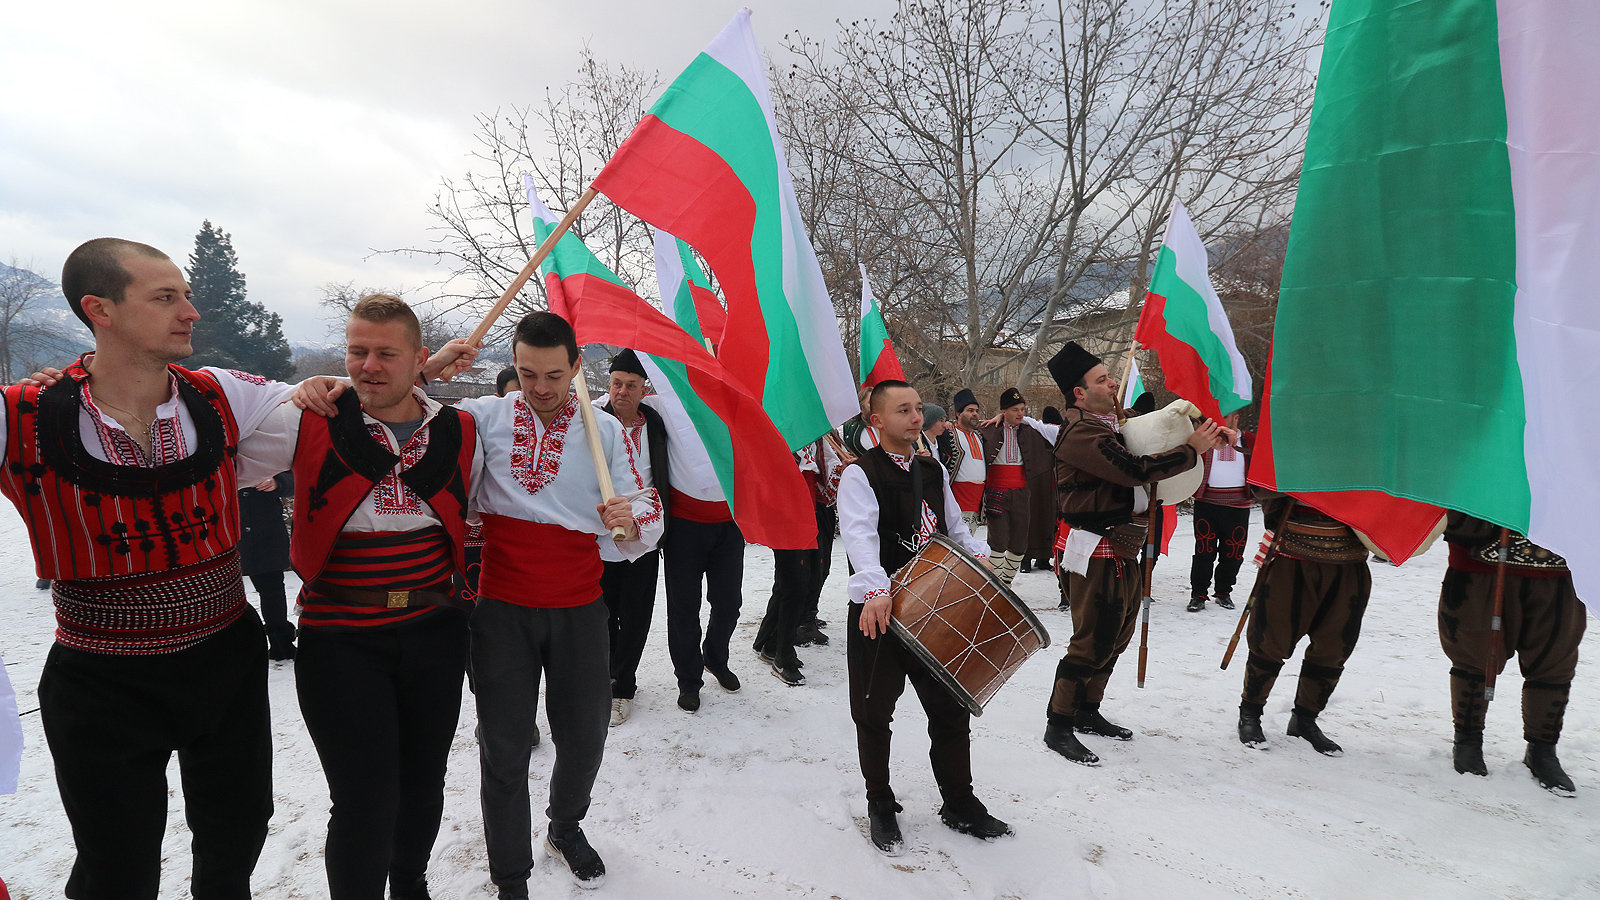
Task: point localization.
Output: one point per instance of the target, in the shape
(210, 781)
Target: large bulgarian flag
(1184, 322)
(878, 362)
(1438, 330)
(706, 164)
(768, 497)
(691, 303)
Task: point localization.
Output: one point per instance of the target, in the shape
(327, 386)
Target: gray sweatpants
(511, 646)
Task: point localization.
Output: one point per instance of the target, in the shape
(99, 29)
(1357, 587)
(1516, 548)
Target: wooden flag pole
(602, 467)
(517, 283)
(1127, 372)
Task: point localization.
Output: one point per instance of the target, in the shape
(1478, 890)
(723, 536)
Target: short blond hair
(382, 308)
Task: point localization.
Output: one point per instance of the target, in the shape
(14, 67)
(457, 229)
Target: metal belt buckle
(399, 599)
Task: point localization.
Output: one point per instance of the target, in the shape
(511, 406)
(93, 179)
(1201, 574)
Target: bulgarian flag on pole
(706, 165)
(878, 362)
(1438, 329)
(768, 497)
(1183, 321)
(691, 303)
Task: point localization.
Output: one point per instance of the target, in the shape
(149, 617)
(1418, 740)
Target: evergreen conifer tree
(233, 332)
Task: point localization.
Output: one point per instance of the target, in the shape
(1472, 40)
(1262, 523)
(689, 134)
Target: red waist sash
(968, 494)
(538, 565)
(1006, 477)
(708, 511)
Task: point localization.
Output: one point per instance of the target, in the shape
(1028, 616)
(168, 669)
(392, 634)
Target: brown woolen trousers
(1105, 608)
(1299, 598)
(1543, 622)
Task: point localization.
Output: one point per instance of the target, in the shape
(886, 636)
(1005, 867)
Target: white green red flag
(1184, 322)
(691, 303)
(1437, 334)
(765, 491)
(1135, 384)
(706, 164)
(878, 361)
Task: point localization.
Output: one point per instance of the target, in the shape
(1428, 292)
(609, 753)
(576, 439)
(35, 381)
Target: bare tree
(482, 230)
(26, 336)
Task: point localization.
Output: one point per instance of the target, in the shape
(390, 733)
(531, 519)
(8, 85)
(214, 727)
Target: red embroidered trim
(654, 515)
(391, 496)
(535, 467)
(633, 440)
(166, 437)
(874, 593)
(246, 376)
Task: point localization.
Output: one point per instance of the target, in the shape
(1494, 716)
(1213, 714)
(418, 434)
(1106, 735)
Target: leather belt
(442, 594)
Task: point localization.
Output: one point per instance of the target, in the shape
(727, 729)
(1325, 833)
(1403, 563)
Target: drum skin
(1162, 430)
(966, 626)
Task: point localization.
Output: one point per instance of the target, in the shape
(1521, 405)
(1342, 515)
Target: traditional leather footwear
(1546, 768)
(1303, 724)
(1061, 739)
(1250, 733)
(1089, 721)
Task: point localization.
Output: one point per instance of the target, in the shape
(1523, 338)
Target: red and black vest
(90, 519)
(337, 463)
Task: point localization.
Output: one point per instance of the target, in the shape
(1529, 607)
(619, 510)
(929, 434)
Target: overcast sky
(312, 130)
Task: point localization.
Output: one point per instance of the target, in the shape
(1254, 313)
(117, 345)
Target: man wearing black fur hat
(1098, 492)
(1014, 454)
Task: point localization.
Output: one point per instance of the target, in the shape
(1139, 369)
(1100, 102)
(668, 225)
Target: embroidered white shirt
(972, 469)
(547, 474)
(636, 439)
(390, 505)
(858, 529)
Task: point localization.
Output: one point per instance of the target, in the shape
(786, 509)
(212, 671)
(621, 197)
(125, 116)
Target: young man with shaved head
(891, 503)
(123, 470)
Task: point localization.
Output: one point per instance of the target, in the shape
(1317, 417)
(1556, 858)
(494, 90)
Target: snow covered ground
(758, 795)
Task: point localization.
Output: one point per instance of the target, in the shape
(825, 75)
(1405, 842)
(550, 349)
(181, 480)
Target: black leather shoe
(1546, 768)
(726, 678)
(1467, 754)
(572, 849)
(885, 827)
(1061, 739)
(1197, 603)
(981, 825)
(1250, 733)
(1089, 721)
(1027, 565)
(1304, 725)
(689, 701)
(1225, 601)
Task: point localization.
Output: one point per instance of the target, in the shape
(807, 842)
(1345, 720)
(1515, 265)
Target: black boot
(1250, 733)
(1061, 739)
(1027, 564)
(1197, 602)
(1468, 754)
(572, 849)
(280, 641)
(1087, 720)
(1303, 724)
(885, 827)
(807, 635)
(1541, 761)
(975, 821)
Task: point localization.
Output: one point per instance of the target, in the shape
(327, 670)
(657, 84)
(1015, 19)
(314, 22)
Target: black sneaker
(1089, 721)
(1250, 733)
(572, 849)
(980, 825)
(1061, 739)
(1225, 601)
(726, 678)
(1197, 603)
(1304, 725)
(885, 827)
(788, 673)
(1467, 754)
(689, 700)
(1546, 768)
(765, 656)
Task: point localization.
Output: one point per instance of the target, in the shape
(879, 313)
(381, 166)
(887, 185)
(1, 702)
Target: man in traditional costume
(965, 458)
(1316, 587)
(1100, 495)
(629, 585)
(380, 531)
(1542, 623)
(891, 502)
(540, 614)
(1221, 520)
(123, 472)
(1013, 454)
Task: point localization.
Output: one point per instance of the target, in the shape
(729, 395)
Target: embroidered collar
(903, 462)
(535, 457)
(1109, 421)
(166, 432)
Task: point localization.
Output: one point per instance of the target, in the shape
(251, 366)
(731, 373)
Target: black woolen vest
(897, 513)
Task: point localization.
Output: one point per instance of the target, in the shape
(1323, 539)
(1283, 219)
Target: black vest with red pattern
(90, 519)
(337, 463)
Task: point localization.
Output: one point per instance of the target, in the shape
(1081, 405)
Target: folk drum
(962, 622)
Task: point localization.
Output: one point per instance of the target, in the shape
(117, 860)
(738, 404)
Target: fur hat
(628, 361)
(963, 399)
(1010, 397)
(1070, 365)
